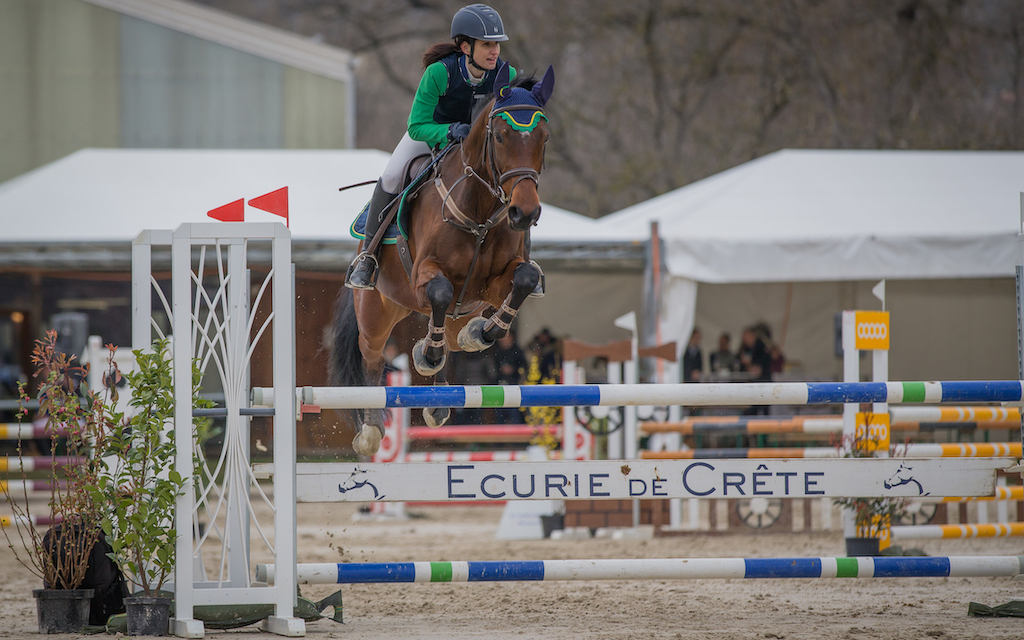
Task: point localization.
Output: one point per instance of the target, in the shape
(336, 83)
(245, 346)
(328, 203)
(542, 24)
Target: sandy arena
(896, 609)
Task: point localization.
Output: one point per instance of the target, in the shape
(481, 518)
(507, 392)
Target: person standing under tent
(693, 358)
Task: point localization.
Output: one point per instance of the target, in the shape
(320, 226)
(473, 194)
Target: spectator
(693, 358)
(544, 347)
(723, 362)
(778, 359)
(755, 361)
(508, 365)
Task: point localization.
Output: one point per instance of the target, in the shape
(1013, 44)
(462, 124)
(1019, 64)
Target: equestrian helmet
(478, 22)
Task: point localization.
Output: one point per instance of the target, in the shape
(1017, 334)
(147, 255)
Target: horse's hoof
(419, 360)
(471, 338)
(436, 416)
(367, 441)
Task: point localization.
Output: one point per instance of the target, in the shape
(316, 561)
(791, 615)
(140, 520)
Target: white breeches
(406, 150)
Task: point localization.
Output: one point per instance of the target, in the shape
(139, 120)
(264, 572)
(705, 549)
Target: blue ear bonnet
(519, 107)
(513, 97)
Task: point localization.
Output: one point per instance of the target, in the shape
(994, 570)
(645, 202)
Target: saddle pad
(358, 228)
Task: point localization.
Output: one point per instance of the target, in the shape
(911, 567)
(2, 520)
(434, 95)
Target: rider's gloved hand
(458, 131)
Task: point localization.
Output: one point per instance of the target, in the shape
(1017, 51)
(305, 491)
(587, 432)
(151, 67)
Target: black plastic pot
(62, 610)
(552, 523)
(862, 547)
(148, 616)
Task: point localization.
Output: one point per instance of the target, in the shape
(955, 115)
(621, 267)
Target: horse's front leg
(480, 333)
(430, 353)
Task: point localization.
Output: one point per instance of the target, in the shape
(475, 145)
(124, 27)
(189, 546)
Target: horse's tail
(345, 366)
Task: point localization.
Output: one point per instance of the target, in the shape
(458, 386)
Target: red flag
(231, 212)
(275, 202)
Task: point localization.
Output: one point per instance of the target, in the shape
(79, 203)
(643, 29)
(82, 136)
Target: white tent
(109, 195)
(835, 222)
(81, 213)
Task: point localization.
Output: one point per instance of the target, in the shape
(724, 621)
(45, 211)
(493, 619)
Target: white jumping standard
(212, 316)
(215, 319)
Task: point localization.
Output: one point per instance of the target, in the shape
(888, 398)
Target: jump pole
(655, 569)
(940, 531)
(617, 395)
(826, 426)
(915, 450)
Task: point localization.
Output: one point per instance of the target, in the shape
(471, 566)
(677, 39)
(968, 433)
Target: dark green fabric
(241, 615)
(1012, 609)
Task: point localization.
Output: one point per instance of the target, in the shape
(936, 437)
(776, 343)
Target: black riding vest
(460, 98)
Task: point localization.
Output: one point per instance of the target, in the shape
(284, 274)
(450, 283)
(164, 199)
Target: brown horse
(467, 244)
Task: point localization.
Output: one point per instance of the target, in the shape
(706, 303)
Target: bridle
(461, 221)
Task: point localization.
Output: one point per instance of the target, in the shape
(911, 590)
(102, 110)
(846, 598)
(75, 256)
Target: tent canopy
(815, 215)
(110, 195)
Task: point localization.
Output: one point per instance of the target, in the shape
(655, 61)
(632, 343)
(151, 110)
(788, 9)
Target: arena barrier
(656, 569)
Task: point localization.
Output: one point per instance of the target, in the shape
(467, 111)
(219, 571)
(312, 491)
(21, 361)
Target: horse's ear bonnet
(520, 107)
(542, 90)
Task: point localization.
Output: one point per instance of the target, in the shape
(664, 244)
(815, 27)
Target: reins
(461, 221)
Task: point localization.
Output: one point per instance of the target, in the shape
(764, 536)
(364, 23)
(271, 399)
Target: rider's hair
(443, 50)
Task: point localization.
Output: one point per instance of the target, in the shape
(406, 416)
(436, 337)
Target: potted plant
(60, 555)
(872, 517)
(141, 487)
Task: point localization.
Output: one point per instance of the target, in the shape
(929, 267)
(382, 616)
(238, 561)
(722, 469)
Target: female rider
(457, 76)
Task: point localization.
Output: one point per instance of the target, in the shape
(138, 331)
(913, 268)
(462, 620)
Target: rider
(458, 75)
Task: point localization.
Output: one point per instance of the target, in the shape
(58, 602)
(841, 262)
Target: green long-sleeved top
(443, 97)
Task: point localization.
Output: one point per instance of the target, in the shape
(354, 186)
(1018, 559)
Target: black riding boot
(362, 273)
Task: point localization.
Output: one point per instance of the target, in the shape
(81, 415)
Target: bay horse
(467, 268)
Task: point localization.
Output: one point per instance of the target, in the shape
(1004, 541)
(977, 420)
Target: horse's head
(514, 149)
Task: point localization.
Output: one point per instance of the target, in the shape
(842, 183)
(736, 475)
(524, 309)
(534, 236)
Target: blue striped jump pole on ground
(655, 569)
(616, 395)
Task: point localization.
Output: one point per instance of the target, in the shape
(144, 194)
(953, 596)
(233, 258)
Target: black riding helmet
(478, 22)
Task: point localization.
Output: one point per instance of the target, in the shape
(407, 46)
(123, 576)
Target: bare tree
(655, 94)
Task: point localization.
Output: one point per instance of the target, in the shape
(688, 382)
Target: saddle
(415, 177)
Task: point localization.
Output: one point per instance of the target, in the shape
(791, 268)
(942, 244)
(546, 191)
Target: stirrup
(362, 273)
(538, 291)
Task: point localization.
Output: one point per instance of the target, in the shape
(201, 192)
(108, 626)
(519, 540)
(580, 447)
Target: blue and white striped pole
(655, 569)
(616, 395)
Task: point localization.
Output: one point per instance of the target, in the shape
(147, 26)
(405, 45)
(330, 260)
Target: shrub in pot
(141, 487)
(60, 556)
(872, 517)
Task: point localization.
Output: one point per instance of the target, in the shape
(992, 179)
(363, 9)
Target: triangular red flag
(275, 202)
(231, 212)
